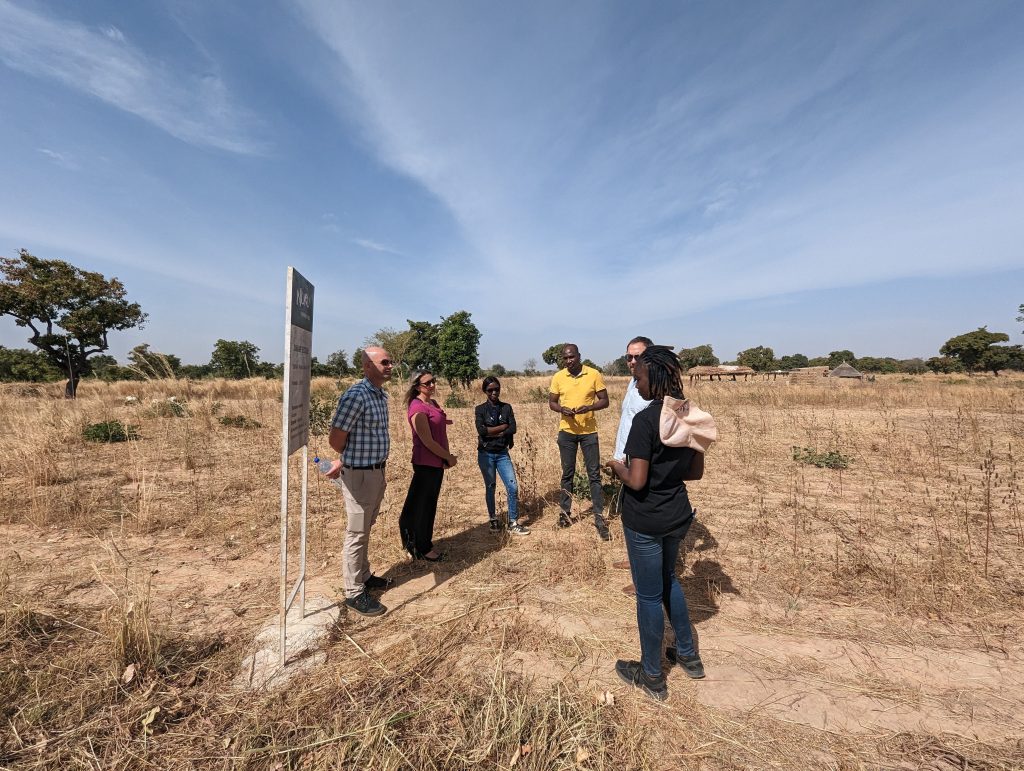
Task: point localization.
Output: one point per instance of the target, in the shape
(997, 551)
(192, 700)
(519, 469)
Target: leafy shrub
(536, 394)
(110, 431)
(239, 421)
(321, 413)
(455, 399)
(581, 487)
(831, 459)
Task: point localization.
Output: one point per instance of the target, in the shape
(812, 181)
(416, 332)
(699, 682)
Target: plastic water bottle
(323, 466)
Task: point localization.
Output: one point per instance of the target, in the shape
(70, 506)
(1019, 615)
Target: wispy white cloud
(375, 246)
(61, 159)
(113, 33)
(194, 107)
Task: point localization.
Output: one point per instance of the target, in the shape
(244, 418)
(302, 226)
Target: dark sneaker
(691, 665)
(564, 521)
(602, 531)
(632, 673)
(365, 605)
(516, 529)
(378, 582)
(494, 525)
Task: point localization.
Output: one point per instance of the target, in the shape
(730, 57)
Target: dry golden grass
(858, 618)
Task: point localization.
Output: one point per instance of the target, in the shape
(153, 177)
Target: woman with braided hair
(656, 515)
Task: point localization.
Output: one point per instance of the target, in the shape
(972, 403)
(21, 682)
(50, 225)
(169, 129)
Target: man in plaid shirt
(359, 432)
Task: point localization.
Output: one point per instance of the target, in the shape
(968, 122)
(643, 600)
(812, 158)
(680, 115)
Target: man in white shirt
(631, 405)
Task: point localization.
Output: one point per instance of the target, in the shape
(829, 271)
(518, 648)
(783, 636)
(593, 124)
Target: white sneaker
(516, 529)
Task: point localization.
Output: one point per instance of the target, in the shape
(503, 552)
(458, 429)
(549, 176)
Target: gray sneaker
(516, 529)
(365, 605)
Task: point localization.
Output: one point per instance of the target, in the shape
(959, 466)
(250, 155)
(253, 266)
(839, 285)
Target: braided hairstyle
(664, 374)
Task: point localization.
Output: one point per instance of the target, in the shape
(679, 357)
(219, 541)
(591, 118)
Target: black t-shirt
(662, 505)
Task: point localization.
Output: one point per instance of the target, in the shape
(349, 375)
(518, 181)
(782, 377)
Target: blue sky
(808, 176)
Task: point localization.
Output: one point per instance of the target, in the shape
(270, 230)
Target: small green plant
(455, 399)
(810, 456)
(239, 421)
(110, 431)
(321, 413)
(581, 487)
(536, 394)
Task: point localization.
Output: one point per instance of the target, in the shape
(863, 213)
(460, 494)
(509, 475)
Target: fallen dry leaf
(605, 698)
(129, 674)
(515, 757)
(147, 721)
(526, 749)
(582, 755)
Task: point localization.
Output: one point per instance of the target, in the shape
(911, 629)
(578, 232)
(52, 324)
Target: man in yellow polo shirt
(576, 393)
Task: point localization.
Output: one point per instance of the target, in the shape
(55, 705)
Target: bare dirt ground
(866, 617)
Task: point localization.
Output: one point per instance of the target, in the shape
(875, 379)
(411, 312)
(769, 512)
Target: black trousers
(416, 524)
(568, 445)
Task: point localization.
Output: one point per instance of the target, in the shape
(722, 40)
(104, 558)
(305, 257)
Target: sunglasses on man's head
(493, 389)
(427, 383)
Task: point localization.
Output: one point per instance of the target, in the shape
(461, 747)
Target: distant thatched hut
(846, 370)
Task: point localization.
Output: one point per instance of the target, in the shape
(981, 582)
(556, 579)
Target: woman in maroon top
(430, 457)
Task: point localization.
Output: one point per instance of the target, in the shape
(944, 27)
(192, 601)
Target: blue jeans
(652, 560)
(499, 462)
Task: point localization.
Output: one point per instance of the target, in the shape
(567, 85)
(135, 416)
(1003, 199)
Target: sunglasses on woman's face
(428, 383)
(495, 390)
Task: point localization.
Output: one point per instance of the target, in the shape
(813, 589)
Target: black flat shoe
(439, 558)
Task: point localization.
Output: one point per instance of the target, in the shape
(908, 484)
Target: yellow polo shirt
(576, 392)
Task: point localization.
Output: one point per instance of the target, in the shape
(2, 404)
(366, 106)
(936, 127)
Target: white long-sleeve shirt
(631, 405)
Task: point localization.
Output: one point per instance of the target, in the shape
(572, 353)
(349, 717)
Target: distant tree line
(70, 312)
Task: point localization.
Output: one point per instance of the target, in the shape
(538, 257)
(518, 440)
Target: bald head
(376, 365)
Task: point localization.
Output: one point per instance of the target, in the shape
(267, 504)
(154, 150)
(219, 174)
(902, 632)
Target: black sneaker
(602, 530)
(378, 582)
(632, 673)
(564, 521)
(365, 605)
(691, 665)
(494, 525)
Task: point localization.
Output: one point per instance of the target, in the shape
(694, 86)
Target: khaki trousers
(363, 492)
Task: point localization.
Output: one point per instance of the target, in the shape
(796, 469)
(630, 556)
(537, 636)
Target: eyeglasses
(633, 356)
(386, 362)
(496, 389)
(427, 383)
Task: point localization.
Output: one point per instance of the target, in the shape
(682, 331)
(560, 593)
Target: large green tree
(422, 353)
(70, 311)
(553, 354)
(794, 361)
(699, 356)
(338, 363)
(235, 359)
(977, 351)
(458, 342)
(759, 359)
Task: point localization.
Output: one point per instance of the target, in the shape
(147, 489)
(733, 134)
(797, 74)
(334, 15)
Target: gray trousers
(364, 491)
(567, 449)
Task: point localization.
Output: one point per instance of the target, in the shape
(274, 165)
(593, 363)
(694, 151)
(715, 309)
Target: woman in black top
(656, 514)
(495, 426)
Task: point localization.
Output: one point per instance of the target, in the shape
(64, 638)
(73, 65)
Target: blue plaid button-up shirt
(363, 413)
